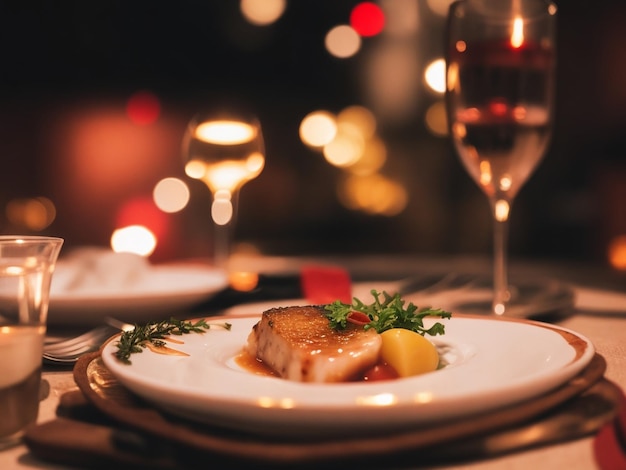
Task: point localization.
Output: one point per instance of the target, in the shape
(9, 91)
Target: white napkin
(101, 269)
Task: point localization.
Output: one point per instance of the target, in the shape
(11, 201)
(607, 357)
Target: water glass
(26, 267)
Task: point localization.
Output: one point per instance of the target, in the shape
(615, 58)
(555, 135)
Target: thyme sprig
(155, 333)
(390, 312)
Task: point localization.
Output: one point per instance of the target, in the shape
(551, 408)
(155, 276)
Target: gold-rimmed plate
(490, 364)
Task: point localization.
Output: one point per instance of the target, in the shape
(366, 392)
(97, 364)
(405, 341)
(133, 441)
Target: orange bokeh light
(617, 252)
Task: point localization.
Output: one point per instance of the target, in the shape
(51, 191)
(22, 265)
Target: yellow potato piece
(408, 352)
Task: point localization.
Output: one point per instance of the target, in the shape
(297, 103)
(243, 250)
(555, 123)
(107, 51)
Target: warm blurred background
(95, 97)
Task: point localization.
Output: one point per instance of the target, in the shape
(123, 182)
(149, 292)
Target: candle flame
(517, 37)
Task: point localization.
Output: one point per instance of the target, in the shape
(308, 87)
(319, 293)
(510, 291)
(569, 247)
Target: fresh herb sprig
(390, 312)
(135, 340)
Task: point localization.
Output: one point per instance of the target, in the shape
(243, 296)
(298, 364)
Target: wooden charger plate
(480, 436)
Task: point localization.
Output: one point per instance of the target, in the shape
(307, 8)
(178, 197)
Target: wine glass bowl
(500, 71)
(225, 150)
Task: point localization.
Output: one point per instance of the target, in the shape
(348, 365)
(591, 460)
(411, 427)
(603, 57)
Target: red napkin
(609, 445)
(325, 284)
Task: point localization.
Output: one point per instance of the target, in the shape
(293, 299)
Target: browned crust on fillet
(308, 328)
(299, 344)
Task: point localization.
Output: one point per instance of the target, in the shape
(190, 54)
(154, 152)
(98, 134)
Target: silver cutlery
(68, 350)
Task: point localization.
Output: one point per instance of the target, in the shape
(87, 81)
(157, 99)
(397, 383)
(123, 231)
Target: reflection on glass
(500, 81)
(224, 150)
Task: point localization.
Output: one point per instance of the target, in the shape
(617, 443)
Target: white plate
(491, 363)
(160, 290)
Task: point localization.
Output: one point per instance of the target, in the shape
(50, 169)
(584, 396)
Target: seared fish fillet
(298, 344)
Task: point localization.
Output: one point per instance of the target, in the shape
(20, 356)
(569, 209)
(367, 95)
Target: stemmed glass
(500, 71)
(224, 148)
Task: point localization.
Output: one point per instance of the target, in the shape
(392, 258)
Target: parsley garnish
(386, 314)
(135, 340)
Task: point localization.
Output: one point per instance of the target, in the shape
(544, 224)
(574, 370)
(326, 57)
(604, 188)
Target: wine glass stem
(501, 293)
(224, 214)
(221, 245)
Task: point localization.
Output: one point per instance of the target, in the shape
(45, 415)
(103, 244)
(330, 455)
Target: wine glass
(224, 148)
(500, 71)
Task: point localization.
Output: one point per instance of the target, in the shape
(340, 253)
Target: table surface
(606, 331)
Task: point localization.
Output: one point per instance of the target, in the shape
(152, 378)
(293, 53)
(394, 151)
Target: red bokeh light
(143, 108)
(367, 19)
(143, 211)
(498, 107)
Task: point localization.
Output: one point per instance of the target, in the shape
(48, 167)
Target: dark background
(60, 55)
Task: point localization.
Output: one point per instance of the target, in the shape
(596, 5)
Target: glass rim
(30, 239)
(545, 10)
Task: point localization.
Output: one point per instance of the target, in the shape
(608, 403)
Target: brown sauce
(166, 350)
(255, 366)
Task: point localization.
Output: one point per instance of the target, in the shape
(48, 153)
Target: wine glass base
(529, 299)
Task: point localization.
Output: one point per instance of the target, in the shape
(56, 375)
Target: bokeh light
(617, 252)
(243, 281)
(342, 41)
(171, 195)
(356, 148)
(133, 239)
(367, 19)
(143, 108)
(142, 211)
(346, 148)
(359, 117)
(33, 214)
(318, 128)
(372, 159)
(436, 119)
(393, 70)
(373, 194)
(402, 19)
(262, 12)
(102, 155)
(195, 169)
(435, 75)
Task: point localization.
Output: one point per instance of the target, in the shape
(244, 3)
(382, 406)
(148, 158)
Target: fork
(67, 351)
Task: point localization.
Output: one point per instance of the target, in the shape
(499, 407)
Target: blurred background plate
(158, 292)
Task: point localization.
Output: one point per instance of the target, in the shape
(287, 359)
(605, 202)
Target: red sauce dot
(380, 372)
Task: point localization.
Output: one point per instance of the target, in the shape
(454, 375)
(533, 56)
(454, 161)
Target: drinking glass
(224, 148)
(26, 267)
(500, 71)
